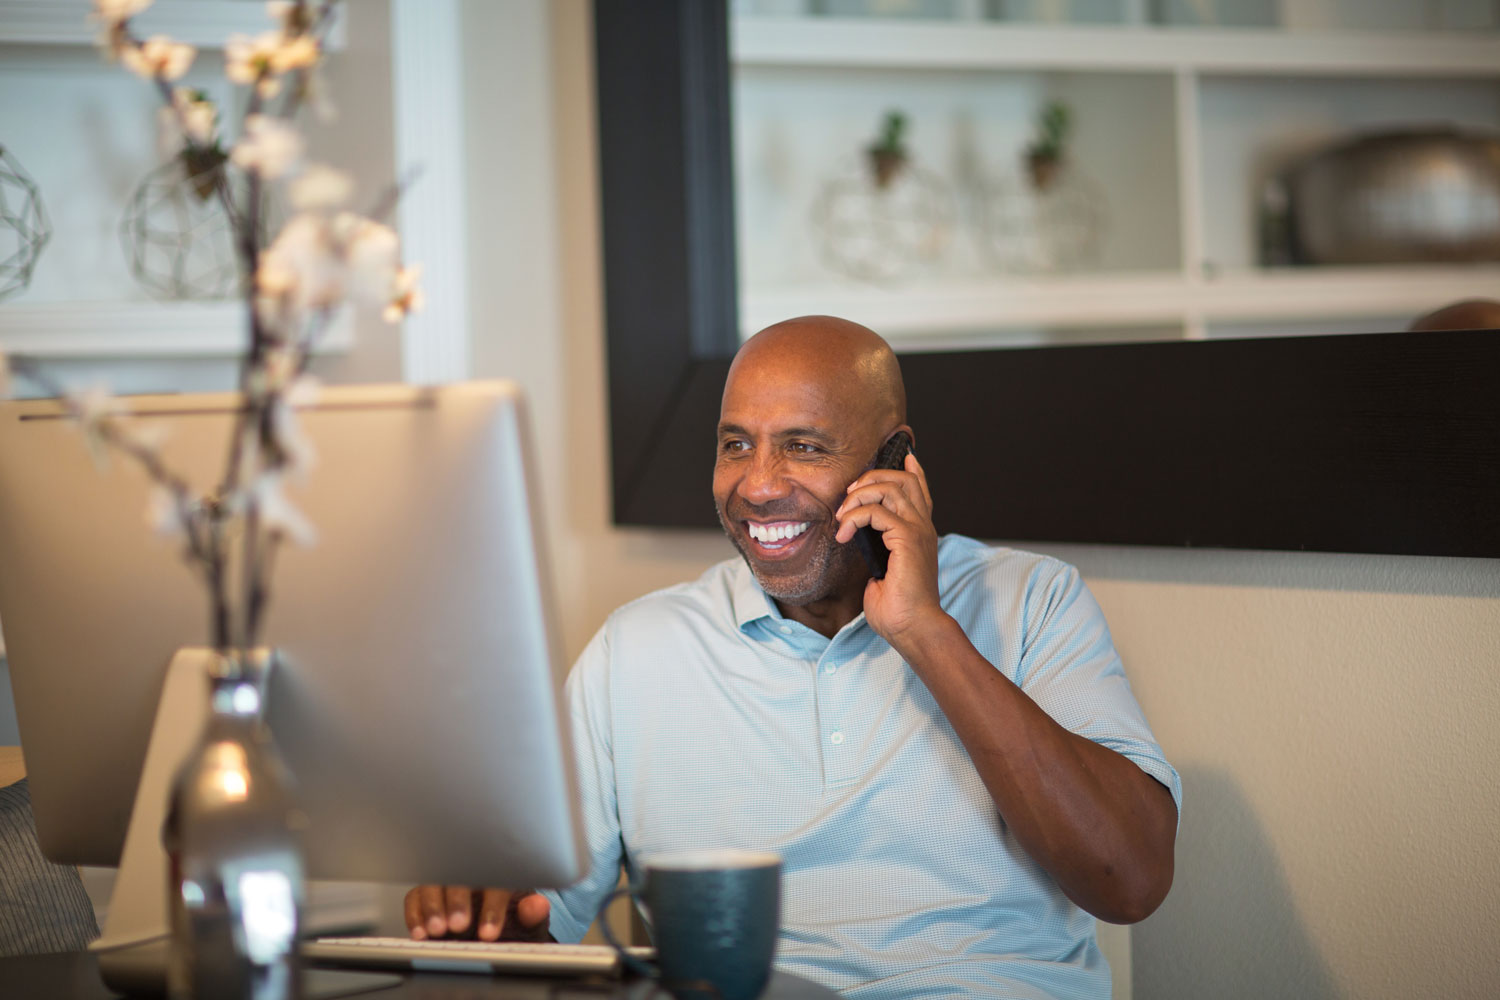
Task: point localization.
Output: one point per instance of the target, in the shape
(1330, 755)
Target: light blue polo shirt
(704, 719)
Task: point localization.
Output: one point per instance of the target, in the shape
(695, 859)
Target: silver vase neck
(238, 681)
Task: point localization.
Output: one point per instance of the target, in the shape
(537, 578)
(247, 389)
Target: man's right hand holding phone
(458, 911)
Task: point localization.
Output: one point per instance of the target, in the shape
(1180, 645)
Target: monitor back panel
(416, 704)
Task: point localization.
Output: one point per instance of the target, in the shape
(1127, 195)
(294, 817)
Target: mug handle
(630, 962)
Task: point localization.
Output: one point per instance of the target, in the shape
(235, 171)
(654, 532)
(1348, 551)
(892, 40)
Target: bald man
(948, 759)
(1468, 314)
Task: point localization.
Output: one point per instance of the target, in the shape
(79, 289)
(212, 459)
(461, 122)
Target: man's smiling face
(797, 426)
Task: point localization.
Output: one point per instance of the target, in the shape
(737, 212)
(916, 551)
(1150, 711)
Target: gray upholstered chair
(43, 907)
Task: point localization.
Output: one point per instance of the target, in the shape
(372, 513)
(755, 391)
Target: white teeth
(775, 533)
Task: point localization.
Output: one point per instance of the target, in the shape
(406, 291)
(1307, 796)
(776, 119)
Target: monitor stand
(132, 952)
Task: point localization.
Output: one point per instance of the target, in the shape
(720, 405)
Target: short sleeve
(587, 696)
(1070, 668)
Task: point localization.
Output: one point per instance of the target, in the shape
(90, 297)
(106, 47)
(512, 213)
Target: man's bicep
(1070, 668)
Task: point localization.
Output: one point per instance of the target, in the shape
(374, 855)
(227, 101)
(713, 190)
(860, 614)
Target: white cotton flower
(296, 447)
(145, 437)
(163, 514)
(198, 115)
(93, 404)
(193, 119)
(264, 58)
(93, 407)
(373, 253)
(239, 59)
(320, 187)
(158, 57)
(250, 61)
(278, 515)
(302, 264)
(269, 147)
(304, 391)
(112, 12)
(293, 53)
(406, 294)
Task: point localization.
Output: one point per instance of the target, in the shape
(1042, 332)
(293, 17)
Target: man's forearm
(1097, 823)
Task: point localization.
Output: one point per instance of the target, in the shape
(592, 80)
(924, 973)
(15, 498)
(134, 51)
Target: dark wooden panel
(1383, 443)
(668, 226)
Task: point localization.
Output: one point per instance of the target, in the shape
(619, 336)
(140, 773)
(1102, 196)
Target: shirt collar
(751, 603)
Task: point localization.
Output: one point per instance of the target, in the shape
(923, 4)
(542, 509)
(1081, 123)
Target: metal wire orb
(1027, 227)
(177, 237)
(878, 232)
(24, 226)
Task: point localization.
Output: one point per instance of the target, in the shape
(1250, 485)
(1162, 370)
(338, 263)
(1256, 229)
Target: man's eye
(733, 446)
(802, 448)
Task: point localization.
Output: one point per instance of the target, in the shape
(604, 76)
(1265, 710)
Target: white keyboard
(483, 957)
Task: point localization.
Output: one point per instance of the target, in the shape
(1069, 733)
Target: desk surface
(75, 976)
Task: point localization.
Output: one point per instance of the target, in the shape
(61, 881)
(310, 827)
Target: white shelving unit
(46, 51)
(140, 329)
(871, 43)
(1269, 94)
(202, 23)
(1126, 300)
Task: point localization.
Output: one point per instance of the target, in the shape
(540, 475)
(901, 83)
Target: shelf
(1127, 300)
(203, 23)
(968, 45)
(140, 329)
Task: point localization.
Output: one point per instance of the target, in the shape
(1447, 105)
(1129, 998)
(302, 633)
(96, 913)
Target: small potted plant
(1047, 153)
(888, 155)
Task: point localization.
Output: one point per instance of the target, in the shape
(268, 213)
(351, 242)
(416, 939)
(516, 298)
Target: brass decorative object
(1393, 197)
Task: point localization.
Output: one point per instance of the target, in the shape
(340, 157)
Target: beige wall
(535, 296)
(1333, 716)
(1334, 719)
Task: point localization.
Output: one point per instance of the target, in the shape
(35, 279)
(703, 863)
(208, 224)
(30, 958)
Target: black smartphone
(892, 455)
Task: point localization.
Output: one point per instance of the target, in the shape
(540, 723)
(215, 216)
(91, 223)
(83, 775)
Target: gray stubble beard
(820, 578)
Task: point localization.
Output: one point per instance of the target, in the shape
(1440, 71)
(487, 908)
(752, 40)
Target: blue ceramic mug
(714, 917)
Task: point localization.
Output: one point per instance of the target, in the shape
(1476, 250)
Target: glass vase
(235, 880)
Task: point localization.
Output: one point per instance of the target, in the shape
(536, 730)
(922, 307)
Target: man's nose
(765, 480)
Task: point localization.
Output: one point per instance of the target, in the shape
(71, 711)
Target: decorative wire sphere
(1027, 226)
(24, 226)
(177, 237)
(882, 232)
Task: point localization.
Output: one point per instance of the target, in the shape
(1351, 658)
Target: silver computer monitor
(416, 704)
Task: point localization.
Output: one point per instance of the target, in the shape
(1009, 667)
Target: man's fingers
(434, 911)
(415, 922)
(894, 484)
(533, 910)
(492, 904)
(915, 468)
(430, 911)
(875, 515)
(882, 494)
(458, 903)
